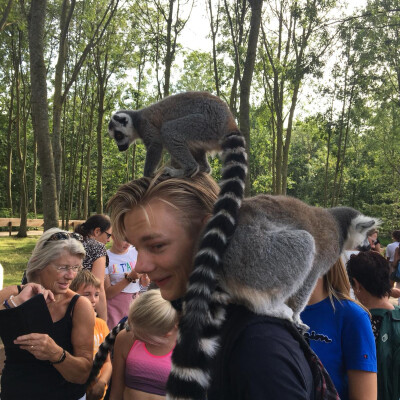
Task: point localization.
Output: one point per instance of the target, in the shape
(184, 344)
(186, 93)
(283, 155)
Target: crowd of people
(81, 290)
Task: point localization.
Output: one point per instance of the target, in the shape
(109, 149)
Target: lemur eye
(118, 135)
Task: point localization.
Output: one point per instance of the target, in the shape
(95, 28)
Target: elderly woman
(52, 365)
(369, 277)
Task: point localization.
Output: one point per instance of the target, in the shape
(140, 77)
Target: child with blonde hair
(87, 285)
(142, 354)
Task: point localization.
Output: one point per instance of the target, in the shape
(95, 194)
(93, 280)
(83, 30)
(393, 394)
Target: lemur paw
(300, 325)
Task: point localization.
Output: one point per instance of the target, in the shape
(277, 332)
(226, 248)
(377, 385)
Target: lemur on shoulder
(279, 248)
(187, 124)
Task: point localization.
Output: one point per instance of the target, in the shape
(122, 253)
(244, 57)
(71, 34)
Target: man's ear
(357, 285)
(205, 219)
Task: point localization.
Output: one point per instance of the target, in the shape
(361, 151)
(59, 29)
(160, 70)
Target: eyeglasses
(65, 268)
(64, 236)
(108, 234)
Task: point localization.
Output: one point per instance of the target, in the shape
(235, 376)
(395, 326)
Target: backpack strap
(396, 313)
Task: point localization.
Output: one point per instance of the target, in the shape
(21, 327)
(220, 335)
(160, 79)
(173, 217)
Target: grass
(14, 255)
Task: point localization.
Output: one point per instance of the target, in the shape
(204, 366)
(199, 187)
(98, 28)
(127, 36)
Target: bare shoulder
(124, 342)
(83, 309)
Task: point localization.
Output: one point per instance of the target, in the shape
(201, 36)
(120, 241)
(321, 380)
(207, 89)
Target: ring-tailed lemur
(279, 249)
(188, 125)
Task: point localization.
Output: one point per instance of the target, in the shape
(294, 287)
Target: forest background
(314, 85)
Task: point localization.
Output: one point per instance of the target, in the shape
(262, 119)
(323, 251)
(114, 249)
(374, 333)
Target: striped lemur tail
(104, 349)
(204, 302)
(204, 310)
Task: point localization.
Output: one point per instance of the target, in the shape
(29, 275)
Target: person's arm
(75, 367)
(96, 390)
(395, 292)
(359, 354)
(123, 343)
(362, 385)
(98, 270)
(396, 257)
(113, 290)
(144, 280)
(29, 290)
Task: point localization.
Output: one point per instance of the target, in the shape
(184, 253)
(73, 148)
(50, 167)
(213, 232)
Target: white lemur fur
(188, 125)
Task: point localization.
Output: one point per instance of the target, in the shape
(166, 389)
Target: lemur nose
(118, 135)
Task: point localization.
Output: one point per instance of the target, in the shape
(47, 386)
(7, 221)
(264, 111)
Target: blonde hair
(46, 251)
(337, 284)
(151, 317)
(192, 199)
(85, 278)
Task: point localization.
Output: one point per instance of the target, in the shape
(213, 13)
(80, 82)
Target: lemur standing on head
(188, 125)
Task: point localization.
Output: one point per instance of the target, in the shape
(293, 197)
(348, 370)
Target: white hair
(47, 251)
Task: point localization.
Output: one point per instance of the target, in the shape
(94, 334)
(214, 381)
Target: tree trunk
(88, 166)
(34, 173)
(9, 149)
(214, 31)
(245, 87)
(40, 118)
(285, 158)
(4, 17)
(170, 50)
(58, 98)
(100, 115)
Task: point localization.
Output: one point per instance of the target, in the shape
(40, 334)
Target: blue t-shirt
(341, 338)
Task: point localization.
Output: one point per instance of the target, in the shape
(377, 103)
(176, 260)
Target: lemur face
(120, 129)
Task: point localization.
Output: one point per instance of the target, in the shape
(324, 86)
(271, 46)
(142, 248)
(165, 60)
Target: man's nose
(144, 263)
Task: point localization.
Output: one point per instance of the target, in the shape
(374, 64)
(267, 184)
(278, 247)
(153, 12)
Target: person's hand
(96, 390)
(133, 275)
(32, 289)
(40, 345)
(395, 292)
(144, 280)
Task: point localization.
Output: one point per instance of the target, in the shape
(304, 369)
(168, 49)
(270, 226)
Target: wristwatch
(128, 278)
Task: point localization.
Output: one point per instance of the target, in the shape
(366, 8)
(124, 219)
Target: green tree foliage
(324, 98)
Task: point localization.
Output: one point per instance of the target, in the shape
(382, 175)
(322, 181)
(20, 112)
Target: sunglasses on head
(64, 236)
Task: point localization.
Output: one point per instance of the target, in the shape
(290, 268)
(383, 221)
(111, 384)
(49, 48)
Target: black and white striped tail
(104, 349)
(204, 303)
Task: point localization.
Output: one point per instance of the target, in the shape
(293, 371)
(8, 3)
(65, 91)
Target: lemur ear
(365, 225)
(122, 120)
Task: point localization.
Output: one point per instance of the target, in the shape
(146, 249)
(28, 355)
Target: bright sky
(194, 35)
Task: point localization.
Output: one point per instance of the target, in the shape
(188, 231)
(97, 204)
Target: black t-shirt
(261, 360)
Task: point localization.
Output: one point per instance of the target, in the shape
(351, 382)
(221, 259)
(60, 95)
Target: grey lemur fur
(279, 248)
(188, 125)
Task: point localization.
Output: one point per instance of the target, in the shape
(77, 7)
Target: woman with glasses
(96, 232)
(54, 364)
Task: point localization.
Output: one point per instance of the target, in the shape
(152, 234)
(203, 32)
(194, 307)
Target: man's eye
(158, 246)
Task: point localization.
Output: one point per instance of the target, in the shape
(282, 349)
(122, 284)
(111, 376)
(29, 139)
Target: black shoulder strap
(71, 305)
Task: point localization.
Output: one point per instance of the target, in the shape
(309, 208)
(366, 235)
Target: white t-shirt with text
(121, 264)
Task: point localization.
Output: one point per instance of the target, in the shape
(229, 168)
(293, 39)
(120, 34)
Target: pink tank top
(145, 371)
